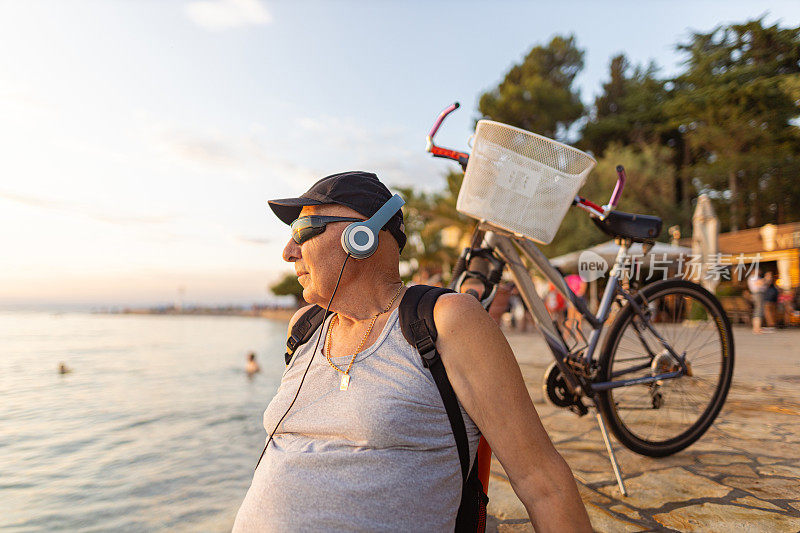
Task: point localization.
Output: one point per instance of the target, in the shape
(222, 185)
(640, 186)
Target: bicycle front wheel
(663, 417)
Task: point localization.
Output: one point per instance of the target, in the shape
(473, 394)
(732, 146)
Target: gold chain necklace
(346, 373)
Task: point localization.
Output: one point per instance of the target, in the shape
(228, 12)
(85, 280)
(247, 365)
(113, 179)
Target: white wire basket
(521, 182)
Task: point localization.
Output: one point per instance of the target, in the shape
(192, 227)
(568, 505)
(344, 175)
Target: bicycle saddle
(638, 228)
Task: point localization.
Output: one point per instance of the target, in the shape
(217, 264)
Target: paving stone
(714, 517)
(587, 462)
(632, 463)
(566, 422)
(762, 446)
(722, 459)
(755, 502)
(709, 443)
(592, 496)
(627, 511)
(582, 445)
(592, 478)
(783, 409)
(496, 468)
(655, 489)
(513, 528)
(741, 425)
(738, 469)
(503, 502)
(557, 436)
(602, 520)
(779, 470)
(768, 488)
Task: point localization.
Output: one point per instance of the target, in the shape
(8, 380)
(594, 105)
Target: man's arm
(487, 380)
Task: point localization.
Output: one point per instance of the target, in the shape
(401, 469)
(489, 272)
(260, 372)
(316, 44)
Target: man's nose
(291, 251)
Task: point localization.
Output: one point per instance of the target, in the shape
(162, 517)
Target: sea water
(156, 427)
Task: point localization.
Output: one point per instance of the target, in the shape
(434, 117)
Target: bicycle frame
(504, 245)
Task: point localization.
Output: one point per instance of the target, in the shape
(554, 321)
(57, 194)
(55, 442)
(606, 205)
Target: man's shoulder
(455, 313)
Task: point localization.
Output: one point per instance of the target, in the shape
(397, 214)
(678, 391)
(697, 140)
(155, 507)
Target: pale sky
(140, 140)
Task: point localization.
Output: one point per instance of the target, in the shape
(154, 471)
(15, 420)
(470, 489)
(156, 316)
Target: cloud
(21, 95)
(310, 148)
(244, 157)
(23, 108)
(382, 149)
(254, 240)
(220, 15)
(74, 208)
(205, 151)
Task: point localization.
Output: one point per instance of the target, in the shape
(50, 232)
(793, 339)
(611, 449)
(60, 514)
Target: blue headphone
(360, 239)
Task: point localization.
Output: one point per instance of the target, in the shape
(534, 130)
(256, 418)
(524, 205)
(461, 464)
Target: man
(771, 294)
(380, 455)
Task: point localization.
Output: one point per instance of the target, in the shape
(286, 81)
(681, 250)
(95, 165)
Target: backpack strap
(303, 329)
(419, 329)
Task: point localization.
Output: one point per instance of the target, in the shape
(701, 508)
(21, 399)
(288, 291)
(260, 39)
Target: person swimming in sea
(63, 368)
(252, 365)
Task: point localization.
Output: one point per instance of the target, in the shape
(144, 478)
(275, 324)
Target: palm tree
(428, 215)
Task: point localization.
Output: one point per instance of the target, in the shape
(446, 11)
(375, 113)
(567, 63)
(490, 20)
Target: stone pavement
(742, 475)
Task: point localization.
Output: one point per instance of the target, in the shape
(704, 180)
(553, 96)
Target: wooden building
(776, 248)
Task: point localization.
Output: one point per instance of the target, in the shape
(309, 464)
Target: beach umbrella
(705, 242)
(608, 251)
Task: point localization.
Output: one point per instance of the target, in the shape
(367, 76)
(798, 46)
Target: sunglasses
(305, 228)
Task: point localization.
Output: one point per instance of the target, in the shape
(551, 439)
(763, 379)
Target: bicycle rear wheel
(664, 417)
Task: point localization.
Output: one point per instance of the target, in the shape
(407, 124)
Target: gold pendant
(345, 382)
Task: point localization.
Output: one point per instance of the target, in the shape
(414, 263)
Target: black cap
(360, 191)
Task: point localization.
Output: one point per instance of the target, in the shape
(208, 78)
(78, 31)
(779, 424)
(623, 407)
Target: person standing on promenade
(770, 300)
(378, 454)
(756, 287)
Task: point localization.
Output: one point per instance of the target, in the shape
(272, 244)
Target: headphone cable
(310, 359)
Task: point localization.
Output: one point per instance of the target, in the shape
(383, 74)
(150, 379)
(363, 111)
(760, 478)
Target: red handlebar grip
(446, 152)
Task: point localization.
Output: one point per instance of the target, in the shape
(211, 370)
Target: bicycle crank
(557, 393)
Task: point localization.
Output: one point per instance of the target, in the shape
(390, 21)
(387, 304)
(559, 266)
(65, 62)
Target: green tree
(537, 94)
(288, 285)
(727, 126)
(735, 105)
(630, 109)
(426, 215)
(650, 181)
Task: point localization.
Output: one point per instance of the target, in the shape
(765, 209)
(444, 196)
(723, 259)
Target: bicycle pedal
(579, 366)
(578, 408)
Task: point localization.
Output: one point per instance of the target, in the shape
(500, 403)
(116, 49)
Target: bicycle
(666, 363)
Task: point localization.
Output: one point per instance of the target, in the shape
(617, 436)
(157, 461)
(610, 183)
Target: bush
(698, 312)
(729, 289)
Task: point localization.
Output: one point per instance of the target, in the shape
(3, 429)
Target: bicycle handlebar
(449, 109)
(446, 153)
(462, 158)
(621, 177)
(602, 212)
